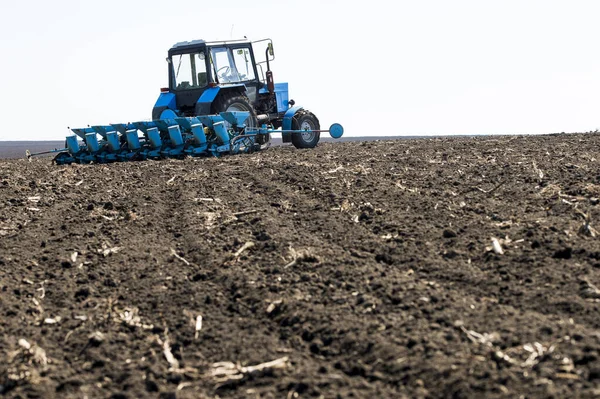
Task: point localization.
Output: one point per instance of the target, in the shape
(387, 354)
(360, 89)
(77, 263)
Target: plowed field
(429, 268)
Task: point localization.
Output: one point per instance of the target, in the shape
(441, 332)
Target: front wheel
(308, 122)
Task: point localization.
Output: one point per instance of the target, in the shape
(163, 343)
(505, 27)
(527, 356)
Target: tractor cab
(203, 74)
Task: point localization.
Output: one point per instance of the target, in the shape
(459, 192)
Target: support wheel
(305, 120)
(62, 158)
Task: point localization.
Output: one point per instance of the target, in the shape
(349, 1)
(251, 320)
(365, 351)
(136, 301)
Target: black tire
(60, 158)
(305, 120)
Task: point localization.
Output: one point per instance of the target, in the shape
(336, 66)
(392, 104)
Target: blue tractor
(220, 100)
(207, 78)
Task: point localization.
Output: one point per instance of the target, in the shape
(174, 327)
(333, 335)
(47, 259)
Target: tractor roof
(190, 43)
(202, 43)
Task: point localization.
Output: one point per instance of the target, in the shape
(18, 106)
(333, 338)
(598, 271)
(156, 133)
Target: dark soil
(371, 272)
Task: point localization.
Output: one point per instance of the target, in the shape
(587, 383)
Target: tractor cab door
(188, 72)
(234, 64)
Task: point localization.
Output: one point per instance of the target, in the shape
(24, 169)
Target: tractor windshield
(232, 66)
(189, 71)
(243, 63)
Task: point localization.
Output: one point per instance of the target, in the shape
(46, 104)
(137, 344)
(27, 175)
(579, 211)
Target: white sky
(378, 67)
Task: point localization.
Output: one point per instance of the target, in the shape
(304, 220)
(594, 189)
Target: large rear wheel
(308, 122)
(236, 103)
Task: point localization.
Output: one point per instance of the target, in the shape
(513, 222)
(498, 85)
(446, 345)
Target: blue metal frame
(166, 100)
(287, 122)
(281, 95)
(289, 115)
(209, 95)
(168, 114)
(204, 103)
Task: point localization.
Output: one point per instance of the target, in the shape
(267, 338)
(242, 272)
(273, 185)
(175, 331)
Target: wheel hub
(307, 134)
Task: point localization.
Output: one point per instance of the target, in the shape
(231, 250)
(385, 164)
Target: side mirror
(271, 53)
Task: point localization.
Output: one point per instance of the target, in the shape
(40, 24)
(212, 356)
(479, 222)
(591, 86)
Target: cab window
(243, 63)
(224, 67)
(189, 71)
(232, 65)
